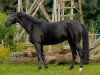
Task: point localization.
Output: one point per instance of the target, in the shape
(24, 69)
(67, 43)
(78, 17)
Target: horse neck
(25, 23)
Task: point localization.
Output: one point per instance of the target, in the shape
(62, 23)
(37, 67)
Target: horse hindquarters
(75, 46)
(74, 41)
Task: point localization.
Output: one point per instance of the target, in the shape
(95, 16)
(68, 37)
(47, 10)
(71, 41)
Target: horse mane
(30, 17)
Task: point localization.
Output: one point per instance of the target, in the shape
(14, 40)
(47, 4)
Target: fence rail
(94, 36)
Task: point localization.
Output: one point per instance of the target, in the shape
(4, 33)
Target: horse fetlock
(46, 67)
(39, 67)
(70, 68)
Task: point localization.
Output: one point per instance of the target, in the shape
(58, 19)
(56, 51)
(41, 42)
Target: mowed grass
(31, 69)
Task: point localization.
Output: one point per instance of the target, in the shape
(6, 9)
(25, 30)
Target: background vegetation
(3, 30)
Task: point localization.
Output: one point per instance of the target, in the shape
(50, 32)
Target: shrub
(4, 54)
(7, 33)
(3, 29)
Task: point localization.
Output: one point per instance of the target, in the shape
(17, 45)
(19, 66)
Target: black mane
(30, 17)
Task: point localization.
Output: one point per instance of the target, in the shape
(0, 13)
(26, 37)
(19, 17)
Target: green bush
(3, 29)
(7, 33)
(4, 54)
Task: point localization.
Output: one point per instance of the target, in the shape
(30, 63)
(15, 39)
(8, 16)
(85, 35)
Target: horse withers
(48, 33)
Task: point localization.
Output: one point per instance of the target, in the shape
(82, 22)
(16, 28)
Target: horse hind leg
(80, 54)
(74, 54)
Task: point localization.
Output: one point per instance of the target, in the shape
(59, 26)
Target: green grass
(31, 69)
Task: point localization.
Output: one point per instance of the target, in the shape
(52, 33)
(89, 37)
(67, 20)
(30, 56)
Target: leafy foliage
(9, 38)
(5, 33)
(97, 25)
(91, 9)
(3, 30)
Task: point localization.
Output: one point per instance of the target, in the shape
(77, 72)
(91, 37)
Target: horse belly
(52, 41)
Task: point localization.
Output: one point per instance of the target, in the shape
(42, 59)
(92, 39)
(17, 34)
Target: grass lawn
(31, 69)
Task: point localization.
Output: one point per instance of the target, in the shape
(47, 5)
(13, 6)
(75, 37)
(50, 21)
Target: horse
(42, 33)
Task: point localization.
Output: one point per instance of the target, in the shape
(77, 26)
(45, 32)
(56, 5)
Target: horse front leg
(38, 50)
(43, 58)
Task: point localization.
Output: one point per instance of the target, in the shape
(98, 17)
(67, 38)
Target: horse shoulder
(37, 35)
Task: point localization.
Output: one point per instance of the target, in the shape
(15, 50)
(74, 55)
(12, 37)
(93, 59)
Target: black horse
(49, 33)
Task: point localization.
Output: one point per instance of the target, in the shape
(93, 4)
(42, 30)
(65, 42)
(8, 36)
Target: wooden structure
(64, 8)
(95, 44)
(58, 13)
(29, 10)
(60, 8)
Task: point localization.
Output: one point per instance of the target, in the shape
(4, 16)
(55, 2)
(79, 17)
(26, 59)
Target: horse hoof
(46, 68)
(80, 69)
(39, 68)
(70, 68)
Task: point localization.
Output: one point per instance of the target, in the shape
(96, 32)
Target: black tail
(85, 45)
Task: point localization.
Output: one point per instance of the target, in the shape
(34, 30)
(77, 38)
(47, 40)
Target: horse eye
(10, 19)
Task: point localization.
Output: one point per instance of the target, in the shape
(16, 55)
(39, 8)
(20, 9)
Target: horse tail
(85, 45)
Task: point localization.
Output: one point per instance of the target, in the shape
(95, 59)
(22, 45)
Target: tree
(7, 36)
(91, 9)
(8, 5)
(95, 44)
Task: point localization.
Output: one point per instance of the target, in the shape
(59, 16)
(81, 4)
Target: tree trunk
(80, 9)
(95, 44)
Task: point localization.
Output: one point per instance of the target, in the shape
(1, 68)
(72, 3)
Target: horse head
(12, 18)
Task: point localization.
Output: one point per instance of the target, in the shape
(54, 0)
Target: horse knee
(43, 57)
(79, 50)
(39, 56)
(80, 53)
(75, 55)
